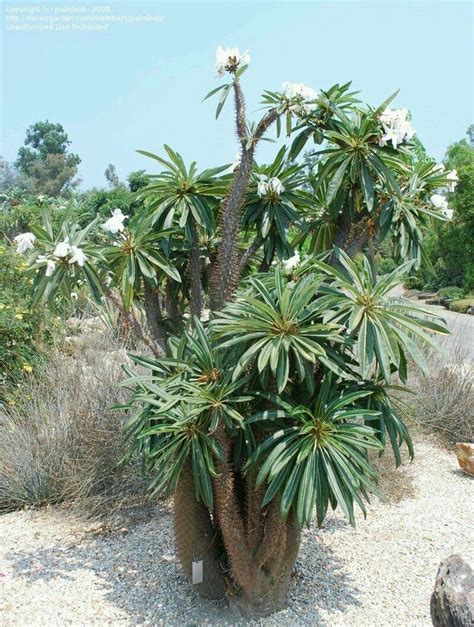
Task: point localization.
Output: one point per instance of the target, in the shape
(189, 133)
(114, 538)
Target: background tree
(137, 179)
(45, 159)
(450, 247)
(111, 176)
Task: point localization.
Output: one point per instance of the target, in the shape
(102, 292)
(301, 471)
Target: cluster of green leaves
(303, 336)
(277, 327)
(386, 329)
(386, 188)
(271, 216)
(320, 454)
(66, 275)
(181, 196)
(178, 407)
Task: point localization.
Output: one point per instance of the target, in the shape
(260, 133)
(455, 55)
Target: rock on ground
(58, 570)
(452, 601)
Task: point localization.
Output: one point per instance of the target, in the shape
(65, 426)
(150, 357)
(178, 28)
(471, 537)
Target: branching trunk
(227, 270)
(135, 324)
(260, 548)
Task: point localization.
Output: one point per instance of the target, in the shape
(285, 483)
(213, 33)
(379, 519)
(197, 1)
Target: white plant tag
(197, 572)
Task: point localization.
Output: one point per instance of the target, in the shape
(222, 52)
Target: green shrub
(451, 292)
(413, 283)
(462, 305)
(386, 265)
(23, 331)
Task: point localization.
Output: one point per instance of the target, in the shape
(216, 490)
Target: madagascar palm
(263, 418)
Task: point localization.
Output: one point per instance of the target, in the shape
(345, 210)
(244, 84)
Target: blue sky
(140, 85)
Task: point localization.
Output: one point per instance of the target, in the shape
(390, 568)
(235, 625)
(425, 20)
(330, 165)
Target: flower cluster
(25, 241)
(266, 185)
(76, 255)
(114, 224)
(229, 60)
(301, 96)
(395, 126)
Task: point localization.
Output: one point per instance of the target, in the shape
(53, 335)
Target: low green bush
(462, 305)
(386, 265)
(413, 283)
(451, 292)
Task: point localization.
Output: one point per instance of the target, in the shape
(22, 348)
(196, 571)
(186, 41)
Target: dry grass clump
(61, 442)
(394, 484)
(444, 397)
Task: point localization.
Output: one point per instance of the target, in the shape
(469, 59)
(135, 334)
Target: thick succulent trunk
(197, 538)
(247, 550)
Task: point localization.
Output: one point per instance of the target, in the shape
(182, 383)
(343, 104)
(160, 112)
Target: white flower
(74, 295)
(229, 59)
(290, 264)
(78, 256)
(395, 126)
(299, 90)
(50, 266)
(301, 94)
(439, 202)
(262, 185)
(276, 185)
(25, 241)
(448, 213)
(452, 176)
(62, 249)
(115, 223)
(266, 185)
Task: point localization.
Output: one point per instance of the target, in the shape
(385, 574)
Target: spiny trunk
(197, 538)
(261, 548)
(154, 316)
(227, 270)
(195, 271)
(171, 306)
(371, 251)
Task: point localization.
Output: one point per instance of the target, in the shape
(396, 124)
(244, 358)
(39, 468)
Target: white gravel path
(54, 570)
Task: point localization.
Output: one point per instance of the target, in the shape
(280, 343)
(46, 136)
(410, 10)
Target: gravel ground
(58, 570)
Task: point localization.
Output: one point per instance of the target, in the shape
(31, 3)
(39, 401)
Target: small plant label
(197, 572)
